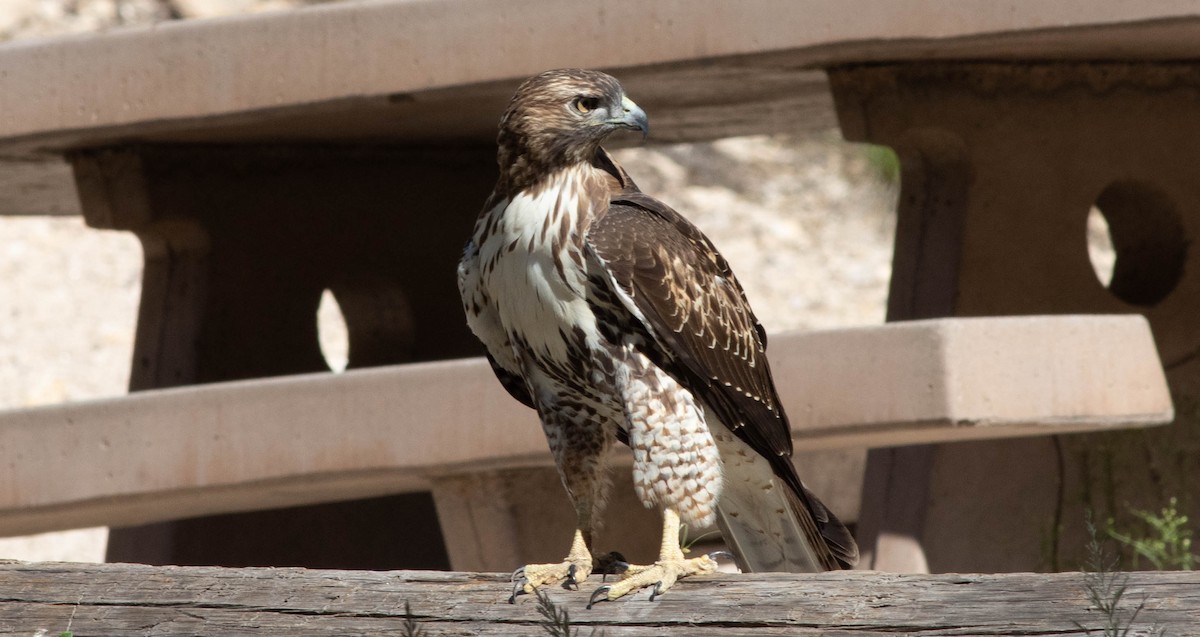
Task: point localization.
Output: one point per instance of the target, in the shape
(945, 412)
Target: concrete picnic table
(264, 159)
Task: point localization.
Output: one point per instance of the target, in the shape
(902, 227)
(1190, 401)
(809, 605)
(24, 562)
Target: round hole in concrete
(1100, 246)
(332, 333)
(1147, 242)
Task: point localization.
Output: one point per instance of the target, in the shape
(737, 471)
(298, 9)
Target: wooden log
(114, 600)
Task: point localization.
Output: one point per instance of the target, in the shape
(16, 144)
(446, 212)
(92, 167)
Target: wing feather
(512, 382)
(697, 311)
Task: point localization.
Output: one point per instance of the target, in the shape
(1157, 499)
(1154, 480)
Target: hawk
(617, 320)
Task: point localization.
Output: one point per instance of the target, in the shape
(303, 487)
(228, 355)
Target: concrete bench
(265, 159)
(437, 72)
(448, 427)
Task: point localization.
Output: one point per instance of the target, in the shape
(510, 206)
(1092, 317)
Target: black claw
(725, 554)
(655, 592)
(518, 589)
(599, 595)
(570, 583)
(519, 573)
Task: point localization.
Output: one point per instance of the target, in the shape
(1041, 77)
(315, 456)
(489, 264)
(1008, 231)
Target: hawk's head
(559, 118)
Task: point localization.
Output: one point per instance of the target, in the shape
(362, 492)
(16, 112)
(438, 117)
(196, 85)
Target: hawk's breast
(533, 268)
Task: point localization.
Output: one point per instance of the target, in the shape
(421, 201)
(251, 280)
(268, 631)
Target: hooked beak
(633, 117)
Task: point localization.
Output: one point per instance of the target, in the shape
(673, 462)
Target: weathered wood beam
(119, 600)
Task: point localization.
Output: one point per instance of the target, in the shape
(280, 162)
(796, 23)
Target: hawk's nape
(616, 319)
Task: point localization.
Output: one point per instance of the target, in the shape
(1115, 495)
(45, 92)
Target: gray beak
(633, 117)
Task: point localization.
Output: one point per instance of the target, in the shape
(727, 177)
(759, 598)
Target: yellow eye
(587, 104)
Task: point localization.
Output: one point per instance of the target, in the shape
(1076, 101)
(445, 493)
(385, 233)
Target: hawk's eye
(587, 104)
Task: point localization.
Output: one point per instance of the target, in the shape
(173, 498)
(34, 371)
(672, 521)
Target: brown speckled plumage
(617, 319)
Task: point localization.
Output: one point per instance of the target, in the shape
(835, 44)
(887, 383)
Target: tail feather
(766, 535)
(769, 525)
(839, 539)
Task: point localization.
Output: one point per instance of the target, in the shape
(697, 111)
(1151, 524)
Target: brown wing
(696, 312)
(703, 331)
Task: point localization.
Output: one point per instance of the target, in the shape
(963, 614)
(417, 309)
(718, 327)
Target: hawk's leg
(580, 445)
(663, 574)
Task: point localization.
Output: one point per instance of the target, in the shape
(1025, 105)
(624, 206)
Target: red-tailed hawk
(616, 319)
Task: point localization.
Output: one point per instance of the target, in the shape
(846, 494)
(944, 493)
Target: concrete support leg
(1001, 165)
(239, 245)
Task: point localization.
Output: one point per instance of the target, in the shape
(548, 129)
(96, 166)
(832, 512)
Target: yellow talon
(575, 568)
(662, 575)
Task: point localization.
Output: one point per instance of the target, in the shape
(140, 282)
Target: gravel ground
(70, 302)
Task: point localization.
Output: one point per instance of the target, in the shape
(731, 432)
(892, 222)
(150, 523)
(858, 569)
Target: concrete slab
(438, 71)
(168, 454)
